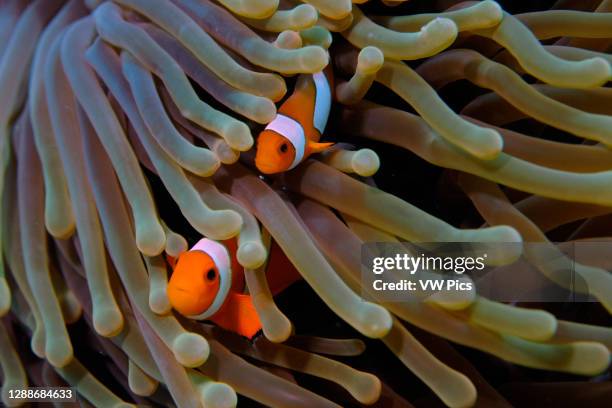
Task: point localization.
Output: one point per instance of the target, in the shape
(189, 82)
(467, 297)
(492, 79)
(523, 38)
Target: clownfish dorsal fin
(316, 147)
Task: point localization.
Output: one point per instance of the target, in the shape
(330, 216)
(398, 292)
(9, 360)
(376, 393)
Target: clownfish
(207, 283)
(294, 133)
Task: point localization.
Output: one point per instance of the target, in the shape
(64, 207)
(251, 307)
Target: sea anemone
(127, 132)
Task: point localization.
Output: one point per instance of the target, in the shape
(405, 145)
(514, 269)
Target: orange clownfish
(208, 284)
(294, 133)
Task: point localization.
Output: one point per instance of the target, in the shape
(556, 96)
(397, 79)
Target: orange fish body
(208, 284)
(294, 133)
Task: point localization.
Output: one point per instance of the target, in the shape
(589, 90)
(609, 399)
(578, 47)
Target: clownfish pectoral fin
(238, 315)
(315, 147)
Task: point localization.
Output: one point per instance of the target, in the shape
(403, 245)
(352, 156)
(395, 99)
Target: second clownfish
(208, 284)
(294, 133)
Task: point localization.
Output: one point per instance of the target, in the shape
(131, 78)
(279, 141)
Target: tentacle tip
(497, 254)
(226, 154)
(304, 16)
(313, 58)
(288, 40)
(367, 388)
(37, 344)
(507, 234)
(143, 387)
(465, 397)
(279, 336)
(150, 237)
(365, 162)
(589, 358)
(60, 230)
(601, 71)
(251, 255)
(175, 245)
(281, 90)
(238, 136)
(345, 10)
(264, 112)
(376, 320)
(341, 9)
(225, 225)
(258, 9)
(546, 325)
(490, 146)
(454, 300)
(59, 353)
(207, 165)
(493, 10)
(318, 36)
(370, 60)
(441, 29)
(159, 302)
(108, 320)
(71, 308)
(190, 349)
(280, 331)
(360, 347)
(218, 395)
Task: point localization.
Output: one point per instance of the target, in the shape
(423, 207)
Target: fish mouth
(183, 301)
(265, 168)
(182, 292)
(173, 286)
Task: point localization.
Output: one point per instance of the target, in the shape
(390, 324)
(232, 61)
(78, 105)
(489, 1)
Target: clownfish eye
(284, 148)
(211, 274)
